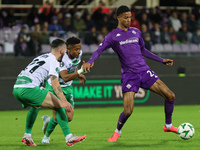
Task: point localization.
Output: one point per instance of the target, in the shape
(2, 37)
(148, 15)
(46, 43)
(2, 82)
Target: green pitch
(143, 130)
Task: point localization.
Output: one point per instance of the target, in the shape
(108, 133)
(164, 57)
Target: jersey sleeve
(102, 46)
(146, 53)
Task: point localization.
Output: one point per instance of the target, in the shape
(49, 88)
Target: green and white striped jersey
(38, 71)
(70, 65)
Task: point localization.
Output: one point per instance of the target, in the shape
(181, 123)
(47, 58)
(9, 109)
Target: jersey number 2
(38, 64)
(152, 74)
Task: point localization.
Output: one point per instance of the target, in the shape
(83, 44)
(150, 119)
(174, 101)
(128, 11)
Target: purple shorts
(132, 81)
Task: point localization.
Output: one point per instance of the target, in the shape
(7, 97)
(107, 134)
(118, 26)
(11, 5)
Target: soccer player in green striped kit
(39, 70)
(68, 72)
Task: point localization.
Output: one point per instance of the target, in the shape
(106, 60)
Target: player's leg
(49, 125)
(30, 119)
(51, 101)
(128, 100)
(160, 88)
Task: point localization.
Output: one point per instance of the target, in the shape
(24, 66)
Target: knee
(70, 118)
(128, 112)
(171, 96)
(54, 117)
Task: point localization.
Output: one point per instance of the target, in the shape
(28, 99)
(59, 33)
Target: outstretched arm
(150, 55)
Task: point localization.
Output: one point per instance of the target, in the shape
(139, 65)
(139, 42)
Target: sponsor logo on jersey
(132, 40)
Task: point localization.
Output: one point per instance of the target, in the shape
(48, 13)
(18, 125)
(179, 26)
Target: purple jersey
(129, 46)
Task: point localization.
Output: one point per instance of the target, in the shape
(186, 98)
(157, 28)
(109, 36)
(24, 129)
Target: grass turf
(142, 131)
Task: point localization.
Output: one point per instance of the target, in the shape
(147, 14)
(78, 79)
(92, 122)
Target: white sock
(27, 135)
(48, 119)
(45, 137)
(168, 126)
(118, 131)
(68, 136)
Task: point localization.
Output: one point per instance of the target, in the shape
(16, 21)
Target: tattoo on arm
(53, 78)
(57, 88)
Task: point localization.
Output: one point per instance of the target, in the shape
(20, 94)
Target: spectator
(184, 35)
(103, 33)
(150, 26)
(36, 37)
(97, 16)
(151, 14)
(89, 22)
(157, 16)
(173, 36)
(21, 47)
(67, 24)
(43, 16)
(192, 23)
(52, 12)
(33, 17)
(46, 8)
(144, 19)
(45, 35)
(165, 37)
(165, 20)
(60, 18)
(146, 36)
(54, 26)
(155, 34)
(11, 19)
(79, 24)
(104, 9)
(175, 22)
(184, 18)
(25, 33)
(196, 36)
(113, 22)
(134, 22)
(91, 37)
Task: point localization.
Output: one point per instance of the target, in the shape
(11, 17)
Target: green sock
(62, 120)
(30, 119)
(51, 126)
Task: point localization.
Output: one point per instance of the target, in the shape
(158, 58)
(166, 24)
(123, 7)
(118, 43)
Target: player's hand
(168, 62)
(87, 66)
(68, 107)
(82, 78)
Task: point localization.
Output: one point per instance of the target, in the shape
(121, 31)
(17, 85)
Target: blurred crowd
(47, 23)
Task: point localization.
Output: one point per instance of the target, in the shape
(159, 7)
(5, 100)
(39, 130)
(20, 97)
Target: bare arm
(57, 89)
(68, 77)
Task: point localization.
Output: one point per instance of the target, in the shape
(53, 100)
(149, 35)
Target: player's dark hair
(72, 41)
(57, 42)
(122, 9)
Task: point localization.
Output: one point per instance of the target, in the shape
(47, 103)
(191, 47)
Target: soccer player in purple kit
(128, 44)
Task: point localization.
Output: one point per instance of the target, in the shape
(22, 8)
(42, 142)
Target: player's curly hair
(73, 40)
(122, 9)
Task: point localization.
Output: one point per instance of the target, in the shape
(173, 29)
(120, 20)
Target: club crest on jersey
(57, 70)
(133, 32)
(128, 86)
(118, 35)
